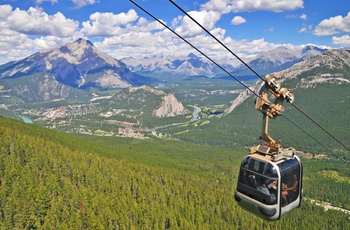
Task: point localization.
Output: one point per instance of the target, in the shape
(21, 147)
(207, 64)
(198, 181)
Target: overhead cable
(195, 21)
(252, 91)
(207, 31)
(320, 143)
(206, 56)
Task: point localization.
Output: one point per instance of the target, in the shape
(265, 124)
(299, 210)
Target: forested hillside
(51, 180)
(327, 105)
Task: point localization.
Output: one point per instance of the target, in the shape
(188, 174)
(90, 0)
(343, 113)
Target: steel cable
(248, 88)
(296, 107)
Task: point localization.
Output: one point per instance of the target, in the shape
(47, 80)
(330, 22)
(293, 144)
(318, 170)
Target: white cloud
(226, 6)
(77, 3)
(343, 40)
(107, 24)
(303, 16)
(81, 3)
(216, 6)
(305, 28)
(144, 25)
(52, 1)
(23, 33)
(5, 12)
(163, 42)
(187, 27)
(237, 20)
(36, 22)
(292, 16)
(333, 25)
(136, 43)
(121, 35)
(16, 46)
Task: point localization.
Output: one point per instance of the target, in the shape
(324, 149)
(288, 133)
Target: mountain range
(266, 62)
(72, 70)
(279, 59)
(170, 105)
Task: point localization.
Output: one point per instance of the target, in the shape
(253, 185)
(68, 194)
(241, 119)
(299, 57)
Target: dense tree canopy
(50, 180)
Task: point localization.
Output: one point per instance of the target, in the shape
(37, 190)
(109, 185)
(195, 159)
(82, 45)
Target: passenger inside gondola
(290, 183)
(260, 179)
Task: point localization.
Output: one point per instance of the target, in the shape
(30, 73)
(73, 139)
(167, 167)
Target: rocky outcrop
(170, 107)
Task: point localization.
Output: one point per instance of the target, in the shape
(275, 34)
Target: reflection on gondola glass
(269, 189)
(290, 170)
(259, 178)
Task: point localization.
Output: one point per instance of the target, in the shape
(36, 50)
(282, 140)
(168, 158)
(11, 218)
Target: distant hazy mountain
(278, 59)
(266, 62)
(59, 73)
(185, 65)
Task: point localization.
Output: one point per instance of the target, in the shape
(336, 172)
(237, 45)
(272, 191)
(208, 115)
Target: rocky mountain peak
(74, 52)
(192, 55)
(81, 51)
(78, 64)
(70, 64)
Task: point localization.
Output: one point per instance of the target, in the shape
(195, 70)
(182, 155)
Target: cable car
(270, 178)
(270, 188)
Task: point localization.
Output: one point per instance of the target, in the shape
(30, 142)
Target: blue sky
(120, 29)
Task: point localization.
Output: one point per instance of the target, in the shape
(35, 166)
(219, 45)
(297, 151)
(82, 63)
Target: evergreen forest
(51, 180)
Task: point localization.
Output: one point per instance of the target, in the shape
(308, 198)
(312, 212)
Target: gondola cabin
(270, 177)
(270, 186)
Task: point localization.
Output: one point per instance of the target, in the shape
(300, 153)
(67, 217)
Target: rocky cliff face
(170, 107)
(149, 100)
(332, 68)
